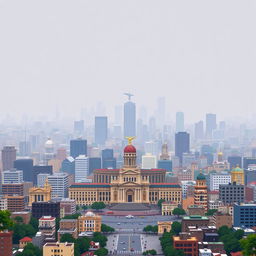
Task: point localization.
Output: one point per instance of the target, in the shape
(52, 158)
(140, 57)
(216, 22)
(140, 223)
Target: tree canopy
(248, 245)
(150, 252)
(178, 211)
(98, 205)
(159, 203)
(6, 222)
(31, 250)
(210, 212)
(176, 227)
(106, 228)
(150, 228)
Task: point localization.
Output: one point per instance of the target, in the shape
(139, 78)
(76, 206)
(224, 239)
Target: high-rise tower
(129, 118)
(200, 192)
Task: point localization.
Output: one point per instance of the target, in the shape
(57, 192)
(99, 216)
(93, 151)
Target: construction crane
(129, 95)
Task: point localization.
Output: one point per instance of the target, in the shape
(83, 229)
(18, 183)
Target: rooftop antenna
(129, 95)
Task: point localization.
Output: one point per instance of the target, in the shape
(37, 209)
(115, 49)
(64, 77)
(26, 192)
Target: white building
(151, 147)
(59, 184)
(184, 185)
(12, 176)
(205, 252)
(41, 178)
(81, 168)
(149, 161)
(49, 150)
(3, 204)
(217, 179)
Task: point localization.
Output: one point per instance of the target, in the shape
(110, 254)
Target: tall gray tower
(129, 117)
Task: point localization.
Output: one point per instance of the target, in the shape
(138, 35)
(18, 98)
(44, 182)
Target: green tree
(239, 234)
(18, 219)
(34, 222)
(98, 205)
(73, 216)
(67, 238)
(178, 212)
(159, 203)
(210, 212)
(5, 220)
(83, 244)
(106, 228)
(150, 228)
(31, 250)
(176, 227)
(98, 237)
(248, 245)
(150, 252)
(84, 207)
(101, 252)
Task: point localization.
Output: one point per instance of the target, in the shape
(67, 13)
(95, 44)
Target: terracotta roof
(26, 239)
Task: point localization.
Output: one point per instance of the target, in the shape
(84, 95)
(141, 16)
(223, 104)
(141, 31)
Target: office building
(41, 179)
(237, 176)
(79, 127)
(3, 203)
(51, 208)
(129, 119)
(67, 206)
(94, 163)
(180, 122)
(200, 192)
(220, 219)
(68, 165)
(231, 193)
(13, 189)
(26, 165)
(6, 243)
(81, 168)
(78, 147)
(185, 184)
(235, 161)
(59, 185)
(24, 148)
(89, 222)
(247, 161)
(41, 169)
(165, 164)
(148, 161)
(101, 130)
(211, 124)
(61, 154)
(12, 176)
(151, 147)
(244, 215)
(217, 179)
(199, 130)
(15, 203)
(68, 226)
(8, 157)
(181, 144)
(108, 160)
(186, 243)
(57, 249)
(188, 159)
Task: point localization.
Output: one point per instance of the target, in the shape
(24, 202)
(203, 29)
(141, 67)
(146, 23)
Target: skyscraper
(165, 162)
(211, 124)
(79, 127)
(108, 160)
(101, 130)
(12, 176)
(129, 119)
(182, 144)
(26, 165)
(59, 184)
(8, 157)
(78, 147)
(81, 168)
(199, 130)
(179, 122)
(94, 163)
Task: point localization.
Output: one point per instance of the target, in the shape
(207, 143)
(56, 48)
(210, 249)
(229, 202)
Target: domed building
(237, 175)
(129, 184)
(89, 222)
(49, 150)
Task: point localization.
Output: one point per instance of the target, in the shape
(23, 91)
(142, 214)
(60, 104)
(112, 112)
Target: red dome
(129, 149)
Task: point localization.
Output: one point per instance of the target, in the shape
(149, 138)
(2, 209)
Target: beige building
(89, 222)
(40, 194)
(220, 219)
(164, 226)
(200, 192)
(129, 184)
(168, 207)
(58, 249)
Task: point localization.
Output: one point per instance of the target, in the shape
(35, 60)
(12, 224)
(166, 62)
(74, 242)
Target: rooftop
(195, 217)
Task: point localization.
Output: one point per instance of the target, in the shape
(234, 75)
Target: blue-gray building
(129, 119)
(244, 215)
(108, 160)
(68, 165)
(165, 164)
(78, 147)
(94, 163)
(101, 130)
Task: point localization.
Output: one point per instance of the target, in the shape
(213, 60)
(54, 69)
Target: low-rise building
(67, 206)
(15, 203)
(3, 204)
(185, 242)
(5, 243)
(24, 241)
(220, 219)
(24, 215)
(164, 226)
(47, 226)
(51, 208)
(168, 207)
(194, 220)
(58, 249)
(89, 222)
(196, 210)
(68, 226)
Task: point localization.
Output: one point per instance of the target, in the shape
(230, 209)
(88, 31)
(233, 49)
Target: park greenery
(98, 206)
(230, 238)
(106, 229)
(150, 252)
(73, 216)
(178, 212)
(5, 220)
(150, 229)
(248, 245)
(31, 250)
(176, 227)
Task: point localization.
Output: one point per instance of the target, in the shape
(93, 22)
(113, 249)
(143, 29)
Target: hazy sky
(200, 55)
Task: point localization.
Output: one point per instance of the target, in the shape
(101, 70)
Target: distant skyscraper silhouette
(8, 157)
(211, 124)
(79, 127)
(108, 160)
(129, 119)
(26, 165)
(101, 129)
(199, 130)
(182, 144)
(179, 122)
(161, 112)
(78, 147)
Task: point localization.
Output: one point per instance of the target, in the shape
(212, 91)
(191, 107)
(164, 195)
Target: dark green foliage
(31, 250)
(22, 230)
(34, 223)
(159, 203)
(98, 205)
(210, 212)
(230, 239)
(73, 216)
(84, 207)
(98, 237)
(178, 212)
(18, 219)
(248, 245)
(150, 252)
(101, 252)
(106, 228)
(149, 228)
(5, 220)
(67, 238)
(83, 244)
(176, 227)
